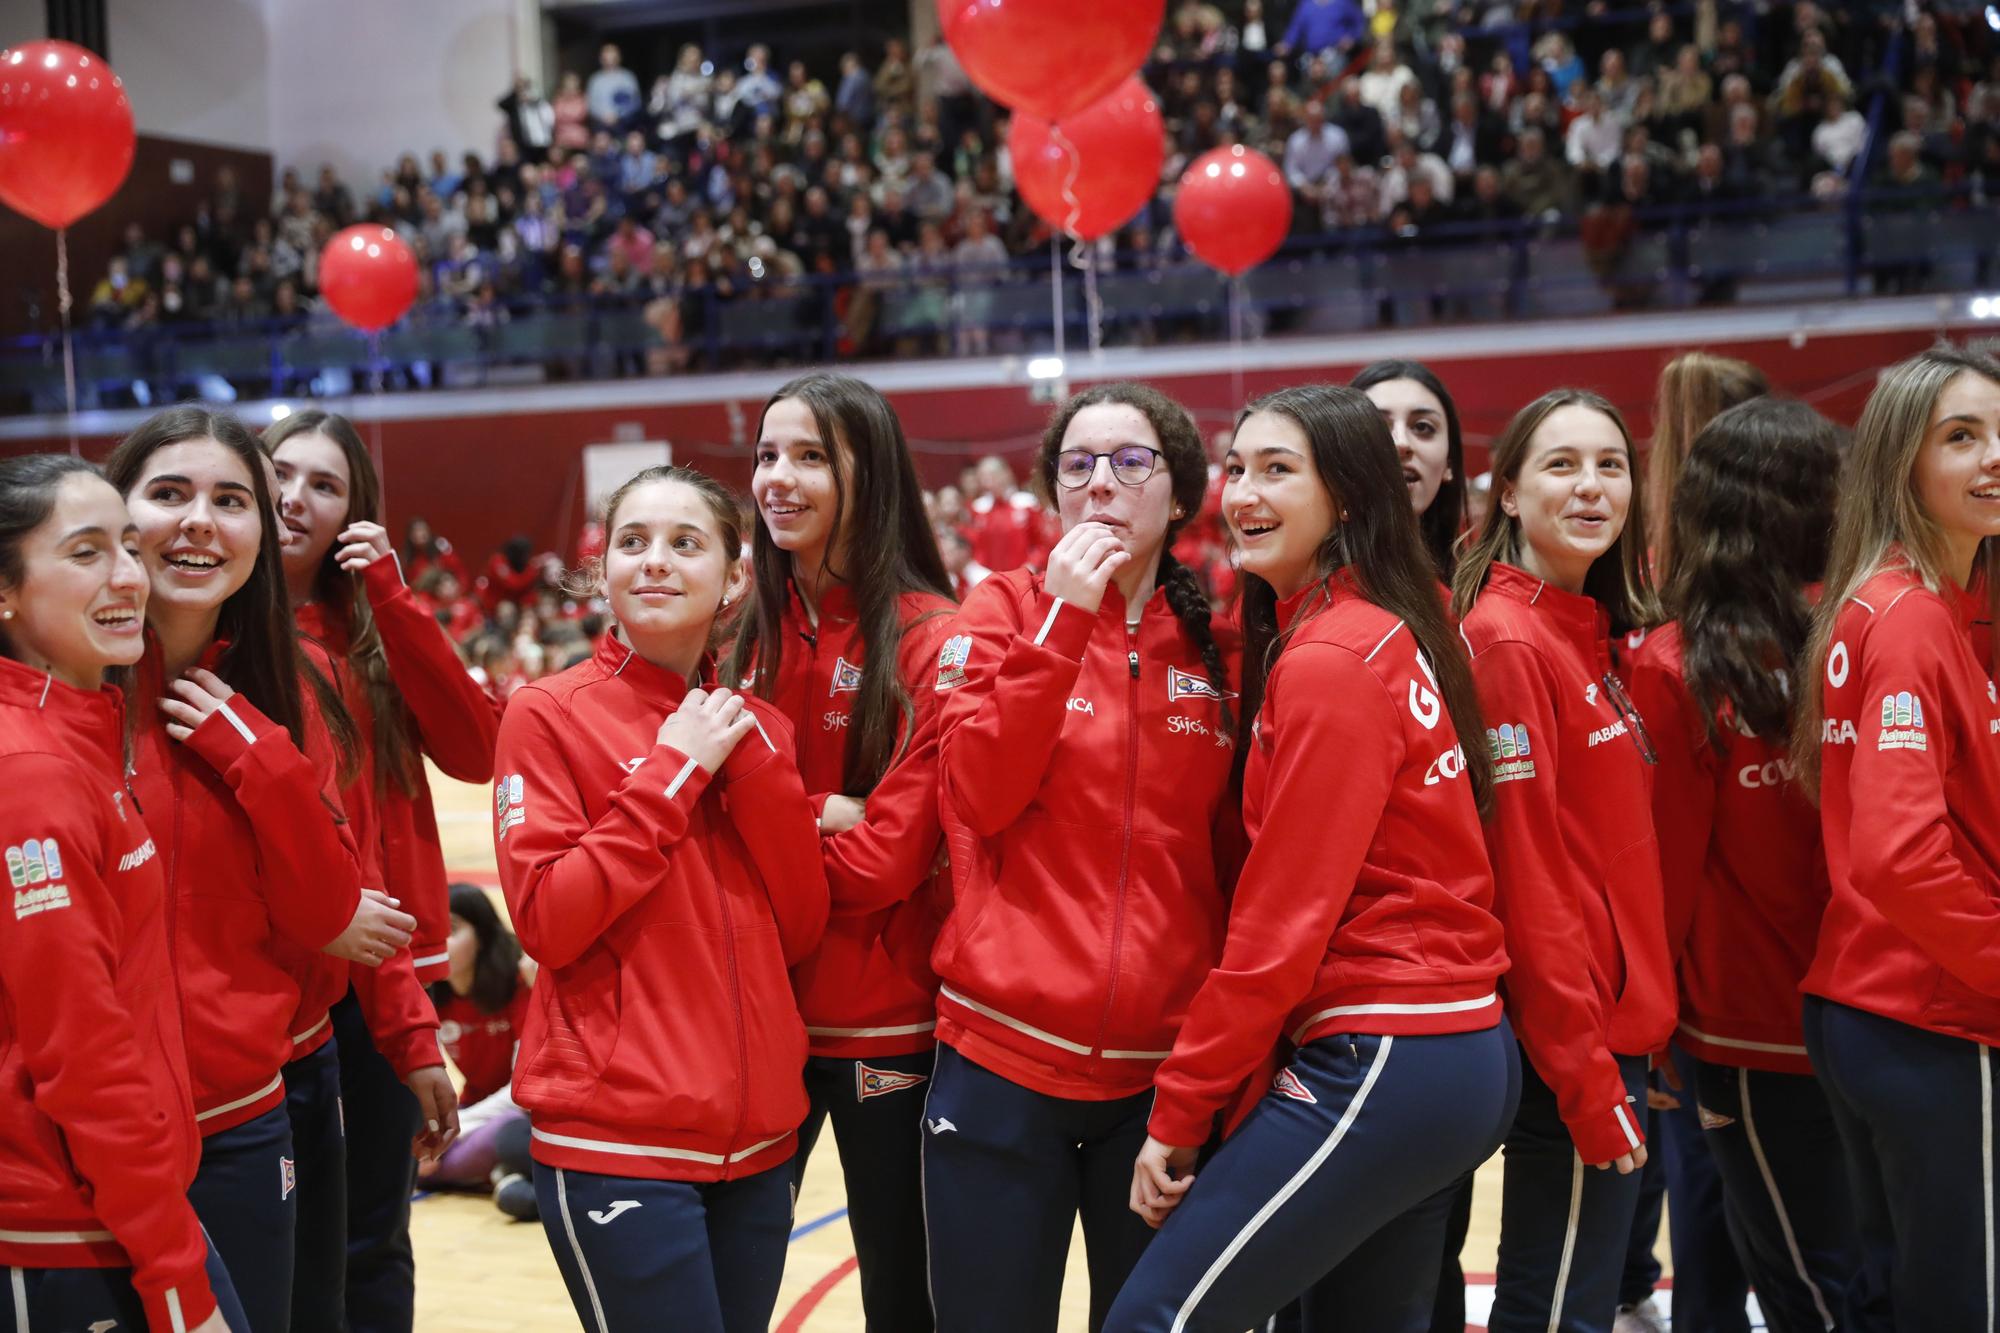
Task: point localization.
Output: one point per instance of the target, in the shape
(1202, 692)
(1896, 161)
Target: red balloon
(1233, 209)
(1111, 165)
(368, 276)
(1050, 58)
(66, 136)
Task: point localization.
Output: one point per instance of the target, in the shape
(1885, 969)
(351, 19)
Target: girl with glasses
(1086, 723)
(1556, 569)
(1899, 732)
(1740, 857)
(1361, 930)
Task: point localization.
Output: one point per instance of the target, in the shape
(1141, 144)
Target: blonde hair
(1618, 579)
(1694, 388)
(1880, 519)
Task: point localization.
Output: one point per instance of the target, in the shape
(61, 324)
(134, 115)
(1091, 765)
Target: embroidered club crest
(951, 661)
(846, 677)
(1186, 685)
(1287, 1084)
(872, 1082)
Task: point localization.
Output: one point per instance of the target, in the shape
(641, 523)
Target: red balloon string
(69, 350)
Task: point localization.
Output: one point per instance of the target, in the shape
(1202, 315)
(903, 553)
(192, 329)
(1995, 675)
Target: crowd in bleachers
(720, 179)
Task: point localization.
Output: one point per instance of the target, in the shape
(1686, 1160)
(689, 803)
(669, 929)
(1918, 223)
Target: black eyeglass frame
(1083, 477)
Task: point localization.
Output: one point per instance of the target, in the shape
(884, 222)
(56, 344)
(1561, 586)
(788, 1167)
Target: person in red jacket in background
(402, 683)
(851, 611)
(98, 1141)
(440, 593)
(1899, 732)
(482, 1008)
(1085, 756)
(662, 865)
(1009, 526)
(232, 762)
(424, 550)
(1740, 858)
(1378, 985)
(1558, 566)
(514, 573)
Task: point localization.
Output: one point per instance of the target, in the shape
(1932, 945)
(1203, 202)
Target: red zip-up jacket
(1089, 768)
(97, 1135)
(450, 718)
(1575, 865)
(1910, 806)
(260, 865)
(401, 1021)
(855, 999)
(1741, 868)
(664, 907)
(1366, 902)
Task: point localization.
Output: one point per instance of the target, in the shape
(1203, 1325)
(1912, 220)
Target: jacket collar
(1330, 591)
(95, 717)
(1579, 617)
(619, 659)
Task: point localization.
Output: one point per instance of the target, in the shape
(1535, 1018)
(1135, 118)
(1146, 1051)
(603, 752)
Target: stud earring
(8, 614)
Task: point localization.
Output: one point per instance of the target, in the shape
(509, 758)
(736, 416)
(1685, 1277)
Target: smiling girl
(662, 866)
(1899, 730)
(261, 867)
(1086, 758)
(411, 698)
(852, 609)
(1361, 933)
(98, 1142)
(1558, 566)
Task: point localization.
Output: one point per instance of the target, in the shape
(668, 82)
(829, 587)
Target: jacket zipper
(735, 1007)
(1125, 847)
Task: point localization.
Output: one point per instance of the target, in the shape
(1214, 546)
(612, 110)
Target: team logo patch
(872, 1082)
(1713, 1119)
(36, 861)
(1508, 745)
(1287, 1084)
(1902, 723)
(288, 1177)
(509, 802)
(951, 661)
(1590, 694)
(846, 677)
(1186, 685)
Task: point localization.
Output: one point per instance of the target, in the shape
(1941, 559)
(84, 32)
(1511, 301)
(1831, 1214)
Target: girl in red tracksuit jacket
(662, 865)
(356, 1169)
(1740, 859)
(1899, 727)
(97, 1134)
(1361, 933)
(1085, 755)
(260, 865)
(852, 609)
(1556, 568)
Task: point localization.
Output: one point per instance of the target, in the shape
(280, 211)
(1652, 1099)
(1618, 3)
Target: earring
(8, 614)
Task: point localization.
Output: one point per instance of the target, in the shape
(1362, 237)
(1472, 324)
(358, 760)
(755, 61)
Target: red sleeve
(567, 879)
(1000, 719)
(1683, 789)
(80, 1047)
(400, 1017)
(1332, 728)
(456, 720)
(1900, 837)
(766, 799)
(1552, 1000)
(889, 855)
(311, 867)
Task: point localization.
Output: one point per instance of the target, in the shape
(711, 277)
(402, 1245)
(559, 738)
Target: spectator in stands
(1537, 182)
(614, 91)
(1596, 138)
(1709, 188)
(572, 114)
(980, 260)
(805, 99)
(1361, 122)
(1310, 154)
(1353, 198)
(1617, 90)
(1748, 163)
(1416, 117)
(1840, 135)
(1682, 91)
(1322, 26)
(1800, 98)
(531, 123)
(1907, 182)
(1382, 86)
(117, 293)
(1470, 139)
(855, 97)
(1407, 164)
(1559, 59)
(142, 254)
(1660, 52)
(1486, 201)
(929, 192)
(757, 89)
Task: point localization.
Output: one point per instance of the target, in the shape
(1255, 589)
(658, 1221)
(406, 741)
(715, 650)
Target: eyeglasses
(1628, 713)
(1131, 464)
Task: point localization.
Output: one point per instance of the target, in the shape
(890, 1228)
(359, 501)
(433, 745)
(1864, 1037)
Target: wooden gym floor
(479, 1272)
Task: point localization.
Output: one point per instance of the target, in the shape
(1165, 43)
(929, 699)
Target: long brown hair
(1618, 579)
(1693, 388)
(1881, 519)
(1380, 545)
(1187, 468)
(1752, 519)
(893, 554)
(262, 661)
(1443, 523)
(395, 754)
